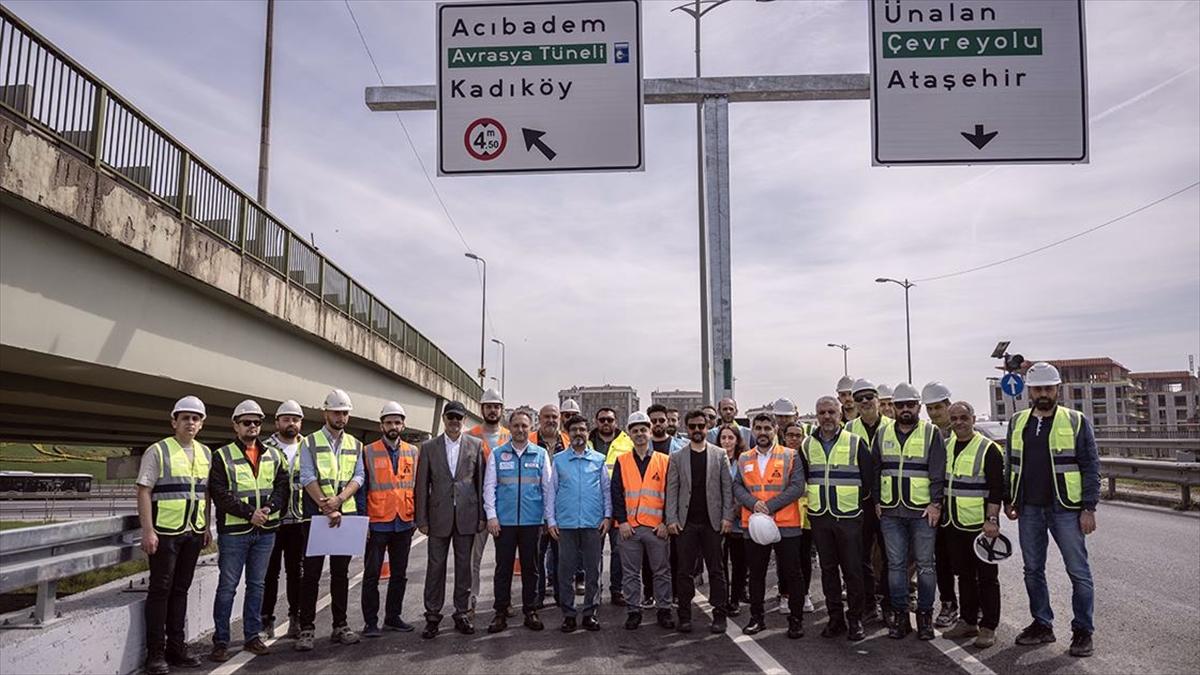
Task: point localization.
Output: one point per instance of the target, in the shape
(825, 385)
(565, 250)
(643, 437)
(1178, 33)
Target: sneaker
(648, 603)
(372, 631)
(293, 627)
(268, 629)
(900, 625)
(808, 606)
(757, 625)
(925, 625)
(783, 605)
(854, 631)
(591, 623)
(795, 629)
(987, 638)
(344, 635)
(665, 620)
(962, 629)
(579, 588)
(719, 624)
(499, 623)
(304, 641)
(397, 624)
(430, 632)
(1081, 643)
(947, 616)
(1036, 633)
(569, 625)
(257, 647)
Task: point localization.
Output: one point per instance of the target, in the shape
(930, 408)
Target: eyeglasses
(606, 419)
(863, 398)
(250, 423)
(697, 427)
(454, 416)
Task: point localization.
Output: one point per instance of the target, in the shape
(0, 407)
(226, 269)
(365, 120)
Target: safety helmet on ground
(1042, 374)
(992, 550)
(392, 408)
(845, 384)
(491, 396)
(905, 392)
(338, 400)
(783, 407)
(934, 392)
(638, 417)
(763, 530)
(863, 385)
(289, 407)
(190, 404)
(885, 392)
(570, 406)
(248, 407)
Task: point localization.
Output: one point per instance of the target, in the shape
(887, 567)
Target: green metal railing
(49, 91)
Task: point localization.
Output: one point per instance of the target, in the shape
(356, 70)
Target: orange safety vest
(390, 493)
(562, 435)
(477, 432)
(645, 496)
(764, 488)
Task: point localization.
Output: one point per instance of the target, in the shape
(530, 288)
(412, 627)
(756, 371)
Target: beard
(392, 434)
(697, 436)
(763, 441)
(1044, 403)
(907, 417)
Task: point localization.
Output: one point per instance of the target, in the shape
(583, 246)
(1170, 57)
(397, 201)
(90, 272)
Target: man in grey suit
(699, 510)
(449, 509)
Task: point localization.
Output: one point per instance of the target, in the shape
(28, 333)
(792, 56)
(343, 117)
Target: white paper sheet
(349, 538)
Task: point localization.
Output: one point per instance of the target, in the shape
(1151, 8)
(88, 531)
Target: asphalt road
(1145, 562)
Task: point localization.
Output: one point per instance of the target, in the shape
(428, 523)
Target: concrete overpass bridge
(132, 272)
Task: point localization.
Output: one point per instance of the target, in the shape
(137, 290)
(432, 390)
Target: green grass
(18, 524)
(84, 459)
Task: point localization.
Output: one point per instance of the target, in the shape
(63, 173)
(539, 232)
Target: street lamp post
(845, 362)
(503, 365)
(906, 284)
(482, 317)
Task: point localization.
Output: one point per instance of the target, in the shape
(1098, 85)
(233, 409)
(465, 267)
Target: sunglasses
(697, 427)
(454, 416)
(606, 419)
(862, 398)
(901, 405)
(250, 423)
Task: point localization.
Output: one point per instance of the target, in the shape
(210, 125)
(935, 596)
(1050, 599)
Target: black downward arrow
(979, 139)
(533, 138)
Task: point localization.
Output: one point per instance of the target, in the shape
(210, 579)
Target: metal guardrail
(1143, 447)
(1176, 431)
(49, 91)
(45, 554)
(1184, 474)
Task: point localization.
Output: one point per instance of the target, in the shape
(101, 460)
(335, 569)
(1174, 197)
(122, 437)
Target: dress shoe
(464, 626)
(665, 620)
(757, 625)
(834, 628)
(257, 647)
(183, 660)
(719, 624)
(431, 630)
(499, 623)
(568, 625)
(591, 623)
(219, 654)
(156, 663)
(633, 620)
(532, 622)
(795, 628)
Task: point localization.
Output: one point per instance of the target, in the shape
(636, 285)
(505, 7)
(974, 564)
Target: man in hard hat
(493, 434)
(449, 509)
(639, 493)
(886, 408)
(839, 475)
(248, 483)
(727, 409)
(331, 472)
(845, 394)
(700, 509)
(974, 493)
(515, 489)
(570, 408)
(785, 414)
(173, 511)
(867, 425)
(935, 396)
(912, 473)
(289, 536)
(386, 498)
(770, 481)
(553, 441)
(609, 440)
(579, 515)
(1053, 487)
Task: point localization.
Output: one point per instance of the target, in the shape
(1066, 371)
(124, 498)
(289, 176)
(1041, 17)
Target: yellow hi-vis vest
(966, 486)
(834, 482)
(904, 471)
(335, 469)
(857, 427)
(1068, 481)
(251, 489)
(177, 498)
(295, 505)
(621, 444)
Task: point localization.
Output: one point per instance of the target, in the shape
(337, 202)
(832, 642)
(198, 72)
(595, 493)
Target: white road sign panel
(539, 87)
(978, 81)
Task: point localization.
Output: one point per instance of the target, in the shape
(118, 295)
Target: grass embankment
(41, 458)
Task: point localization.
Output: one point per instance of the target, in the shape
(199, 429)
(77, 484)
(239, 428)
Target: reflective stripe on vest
(390, 492)
(645, 496)
(519, 498)
(834, 482)
(332, 478)
(904, 472)
(295, 506)
(966, 485)
(177, 498)
(247, 487)
(857, 427)
(1068, 480)
(765, 488)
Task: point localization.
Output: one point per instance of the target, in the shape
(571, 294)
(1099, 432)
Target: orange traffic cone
(385, 572)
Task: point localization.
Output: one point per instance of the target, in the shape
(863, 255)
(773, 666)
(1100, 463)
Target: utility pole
(264, 144)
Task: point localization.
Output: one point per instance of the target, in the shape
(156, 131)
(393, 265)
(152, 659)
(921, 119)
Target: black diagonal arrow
(979, 139)
(533, 138)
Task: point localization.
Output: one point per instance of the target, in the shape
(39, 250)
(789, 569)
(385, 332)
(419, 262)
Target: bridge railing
(43, 87)
(1184, 474)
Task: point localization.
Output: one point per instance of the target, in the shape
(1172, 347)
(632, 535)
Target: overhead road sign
(978, 82)
(539, 87)
(1012, 384)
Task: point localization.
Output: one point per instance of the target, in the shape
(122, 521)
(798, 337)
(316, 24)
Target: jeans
(250, 551)
(579, 549)
(396, 545)
(288, 554)
(171, 569)
(1033, 524)
(902, 536)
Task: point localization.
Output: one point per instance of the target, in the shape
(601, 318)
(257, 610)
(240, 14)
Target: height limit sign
(539, 87)
(978, 81)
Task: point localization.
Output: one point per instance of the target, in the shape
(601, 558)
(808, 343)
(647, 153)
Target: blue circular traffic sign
(1012, 384)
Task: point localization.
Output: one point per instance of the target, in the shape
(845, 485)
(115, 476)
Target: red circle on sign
(485, 146)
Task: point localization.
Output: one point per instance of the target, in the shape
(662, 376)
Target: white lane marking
(961, 657)
(243, 657)
(747, 644)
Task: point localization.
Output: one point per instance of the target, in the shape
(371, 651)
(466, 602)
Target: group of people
(673, 495)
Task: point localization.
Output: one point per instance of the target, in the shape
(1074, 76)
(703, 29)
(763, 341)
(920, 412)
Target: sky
(593, 278)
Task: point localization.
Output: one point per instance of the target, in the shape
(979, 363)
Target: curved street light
(845, 363)
(906, 284)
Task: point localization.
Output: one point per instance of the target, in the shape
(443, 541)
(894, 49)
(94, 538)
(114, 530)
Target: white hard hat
(1042, 374)
(491, 396)
(934, 392)
(992, 550)
(863, 385)
(570, 406)
(885, 392)
(337, 400)
(763, 530)
(905, 392)
(391, 408)
(248, 407)
(638, 417)
(845, 384)
(783, 407)
(190, 404)
(289, 407)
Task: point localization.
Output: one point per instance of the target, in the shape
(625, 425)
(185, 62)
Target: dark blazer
(718, 487)
(449, 501)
